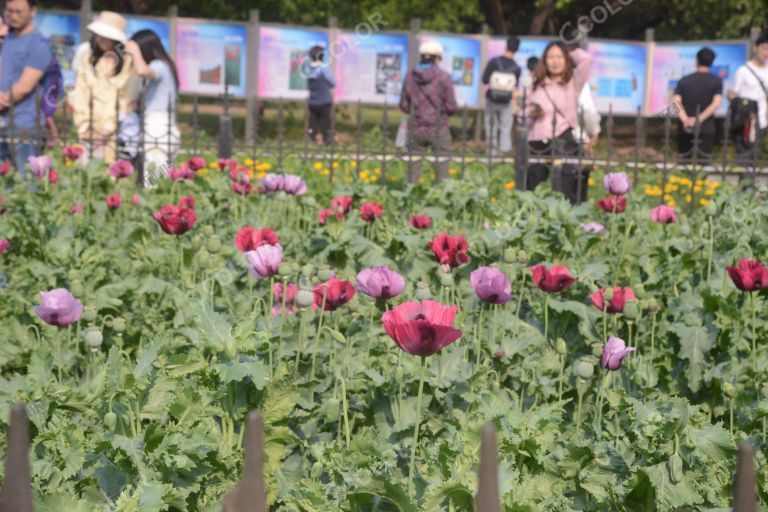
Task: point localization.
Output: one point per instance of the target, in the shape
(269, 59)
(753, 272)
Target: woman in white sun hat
(106, 81)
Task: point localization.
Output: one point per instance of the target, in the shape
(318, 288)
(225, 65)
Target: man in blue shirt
(25, 56)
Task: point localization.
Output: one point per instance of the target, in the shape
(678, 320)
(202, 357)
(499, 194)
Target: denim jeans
(498, 125)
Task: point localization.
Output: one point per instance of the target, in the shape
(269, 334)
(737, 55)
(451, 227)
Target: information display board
(284, 60)
(462, 59)
(210, 55)
(159, 27)
(63, 31)
(617, 77)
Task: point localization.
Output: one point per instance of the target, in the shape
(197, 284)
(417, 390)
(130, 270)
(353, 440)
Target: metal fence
(249, 495)
(376, 143)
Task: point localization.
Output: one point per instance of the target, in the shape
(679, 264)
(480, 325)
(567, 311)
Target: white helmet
(431, 48)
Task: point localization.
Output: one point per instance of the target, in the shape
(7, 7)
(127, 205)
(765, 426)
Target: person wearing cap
(106, 81)
(429, 99)
(24, 60)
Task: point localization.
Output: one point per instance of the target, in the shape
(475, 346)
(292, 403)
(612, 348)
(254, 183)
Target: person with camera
(749, 99)
(551, 114)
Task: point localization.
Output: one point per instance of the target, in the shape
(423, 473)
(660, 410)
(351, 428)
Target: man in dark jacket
(429, 99)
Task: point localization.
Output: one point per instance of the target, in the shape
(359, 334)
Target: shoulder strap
(557, 110)
(762, 85)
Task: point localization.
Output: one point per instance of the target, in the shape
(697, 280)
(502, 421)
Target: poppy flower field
(617, 346)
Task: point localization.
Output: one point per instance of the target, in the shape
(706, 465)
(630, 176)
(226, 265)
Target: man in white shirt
(751, 83)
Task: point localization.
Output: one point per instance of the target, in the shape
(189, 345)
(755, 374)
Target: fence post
(253, 77)
(488, 499)
(16, 494)
(86, 17)
(225, 126)
(521, 151)
(249, 495)
(745, 485)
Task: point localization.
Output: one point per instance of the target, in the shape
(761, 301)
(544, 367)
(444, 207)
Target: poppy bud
(584, 369)
(561, 347)
(305, 298)
(73, 274)
(332, 408)
(119, 324)
(317, 470)
(324, 273)
(631, 311)
(93, 337)
(653, 305)
(482, 193)
(719, 410)
(203, 259)
(90, 314)
(307, 270)
(705, 408)
(685, 229)
(76, 287)
(676, 468)
(422, 291)
(639, 291)
(208, 231)
(510, 255)
(711, 209)
(608, 294)
(197, 243)
(285, 270)
(597, 348)
(213, 245)
(309, 201)
(729, 390)
(446, 280)
(110, 420)
(522, 257)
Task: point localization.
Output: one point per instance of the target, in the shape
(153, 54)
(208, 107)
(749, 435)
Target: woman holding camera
(551, 113)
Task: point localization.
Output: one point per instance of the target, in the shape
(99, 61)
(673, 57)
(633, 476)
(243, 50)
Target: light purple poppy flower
(294, 185)
(39, 165)
(59, 307)
(491, 285)
(380, 282)
(616, 183)
(272, 182)
(593, 227)
(614, 353)
(264, 261)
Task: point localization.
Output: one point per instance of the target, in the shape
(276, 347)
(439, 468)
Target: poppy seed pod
(639, 291)
(324, 273)
(522, 257)
(710, 209)
(561, 347)
(305, 298)
(110, 421)
(446, 280)
(729, 390)
(307, 270)
(208, 230)
(332, 409)
(584, 369)
(93, 337)
(685, 229)
(90, 314)
(119, 324)
(213, 245)
(422, 291)
(510, 255)
(76, 287)
(197, 243)
(653, 305)
(203, 259)
(608, 294)
(482, 193)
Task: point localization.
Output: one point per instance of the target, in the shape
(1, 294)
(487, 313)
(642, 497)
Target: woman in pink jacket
(550, 111)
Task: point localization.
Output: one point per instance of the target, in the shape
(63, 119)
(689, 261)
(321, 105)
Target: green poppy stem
(711, 247)
(754, 331)
(411, 474)
(345, 407)
(546, 317)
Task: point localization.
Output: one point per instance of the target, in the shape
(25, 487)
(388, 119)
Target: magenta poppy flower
(369, 212)
(491, 285)
(264, 261)
(121, 169)
(749, 275)
(664, 214)
(182, 172)
(593, 227)
(380, 282)
(5, 167)
(76, 209)
(616, 305)
(59, 307)
(196, 163)
(4, 245)
(272, 182)
(294, 185)
(554, 280)
(614, 352)
(290, 298)
(421, 221)
(421, 329)
(114, 202)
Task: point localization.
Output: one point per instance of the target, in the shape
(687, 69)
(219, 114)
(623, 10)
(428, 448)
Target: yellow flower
(318, 166)
(377, 170)
(203, 172)
(213, 165)
(671, 203)
(260, 176)
(69, 163)
(510, 185)
(325, 172)
(264, 167)
(251, 174)
(374, 179)
(703, 202)
(453, 172)
(709, 192)
(674, 179)
(335, 165)
(591, 182)
(688, 198)
(715, 184)
(353, 164)
(393, 178)
(686, 182)
(248, 162)
(697, 189)
(668, 197)
(493, 199)
(671, 188)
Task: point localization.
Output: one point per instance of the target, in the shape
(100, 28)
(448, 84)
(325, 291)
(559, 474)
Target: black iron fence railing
(151, 140)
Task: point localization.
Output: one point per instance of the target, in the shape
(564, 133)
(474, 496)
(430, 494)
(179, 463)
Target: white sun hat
(110, 25)
(431, 48)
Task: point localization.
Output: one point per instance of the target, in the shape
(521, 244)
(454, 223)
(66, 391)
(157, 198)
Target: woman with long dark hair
(551, 113)
(106, 82)
(161, 81)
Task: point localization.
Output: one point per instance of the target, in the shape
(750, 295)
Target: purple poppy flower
(264, 261)
(272, 182)
(491, 285)
(59, 307)
(614, 353)
(593, 227)
(294, 185)
(380, 282)
(39, 165)
(616, 183)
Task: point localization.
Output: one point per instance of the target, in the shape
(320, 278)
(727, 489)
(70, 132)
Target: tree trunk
(494, 15)
(543, 13)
